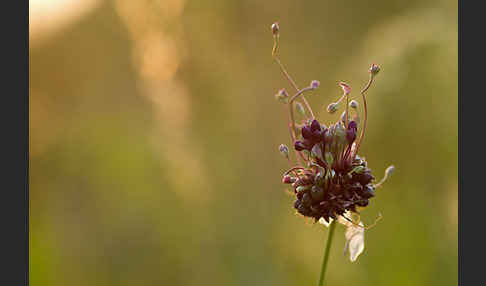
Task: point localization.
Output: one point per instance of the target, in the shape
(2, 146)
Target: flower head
(331, 181)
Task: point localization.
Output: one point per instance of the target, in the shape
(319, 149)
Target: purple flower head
(329, 180)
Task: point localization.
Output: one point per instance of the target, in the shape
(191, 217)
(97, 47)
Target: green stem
(326, 253)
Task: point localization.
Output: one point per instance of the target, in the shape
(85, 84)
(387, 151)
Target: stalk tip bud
(288, 179)
(275, 29)
(299, 146)
(389, 170)
(315, 84)
(333, 107)
(353, 104)
(282, 95)
(374, 69)
(284, 150)
(346, 88)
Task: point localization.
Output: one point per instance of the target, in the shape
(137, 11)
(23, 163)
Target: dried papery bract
(330, 180)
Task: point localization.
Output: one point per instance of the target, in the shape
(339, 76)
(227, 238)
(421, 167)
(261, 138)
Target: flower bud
(389, 171)
(346, 88)
(315, 84)
(300, 108)
(288, 179)
(275, 28)
(306, 132)
(315, 126)
(282, 95)
(284, 150)
(353, 104)
(374, 69)
(299, 146)
(331, 108)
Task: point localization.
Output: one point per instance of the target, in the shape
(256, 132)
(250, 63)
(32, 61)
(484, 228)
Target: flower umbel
(330, 180)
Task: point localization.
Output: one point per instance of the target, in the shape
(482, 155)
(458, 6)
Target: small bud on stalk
(315, 84)
(374, 69)
(346, 88)
(275, 29)
(332, 107)
(282, 96)
(288, 179)
(284, 150)
(353, 104)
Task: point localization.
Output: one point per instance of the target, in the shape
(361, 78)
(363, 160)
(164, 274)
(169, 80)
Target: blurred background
(154, 137)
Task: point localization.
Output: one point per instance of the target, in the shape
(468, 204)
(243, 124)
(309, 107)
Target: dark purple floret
(307, 132)
(287, 179)
(365, 178)
(315, 126)
(351, 131)
(299, 146)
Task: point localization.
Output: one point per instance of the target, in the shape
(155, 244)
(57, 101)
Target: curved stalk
(365, 113)
(286, 74)
(291, 106)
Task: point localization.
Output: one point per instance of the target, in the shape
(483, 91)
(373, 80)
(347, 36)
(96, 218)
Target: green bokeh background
(168, 172)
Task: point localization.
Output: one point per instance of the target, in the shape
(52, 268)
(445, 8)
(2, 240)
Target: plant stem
(326, 253)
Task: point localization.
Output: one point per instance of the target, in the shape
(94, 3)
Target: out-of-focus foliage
(154, 137)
